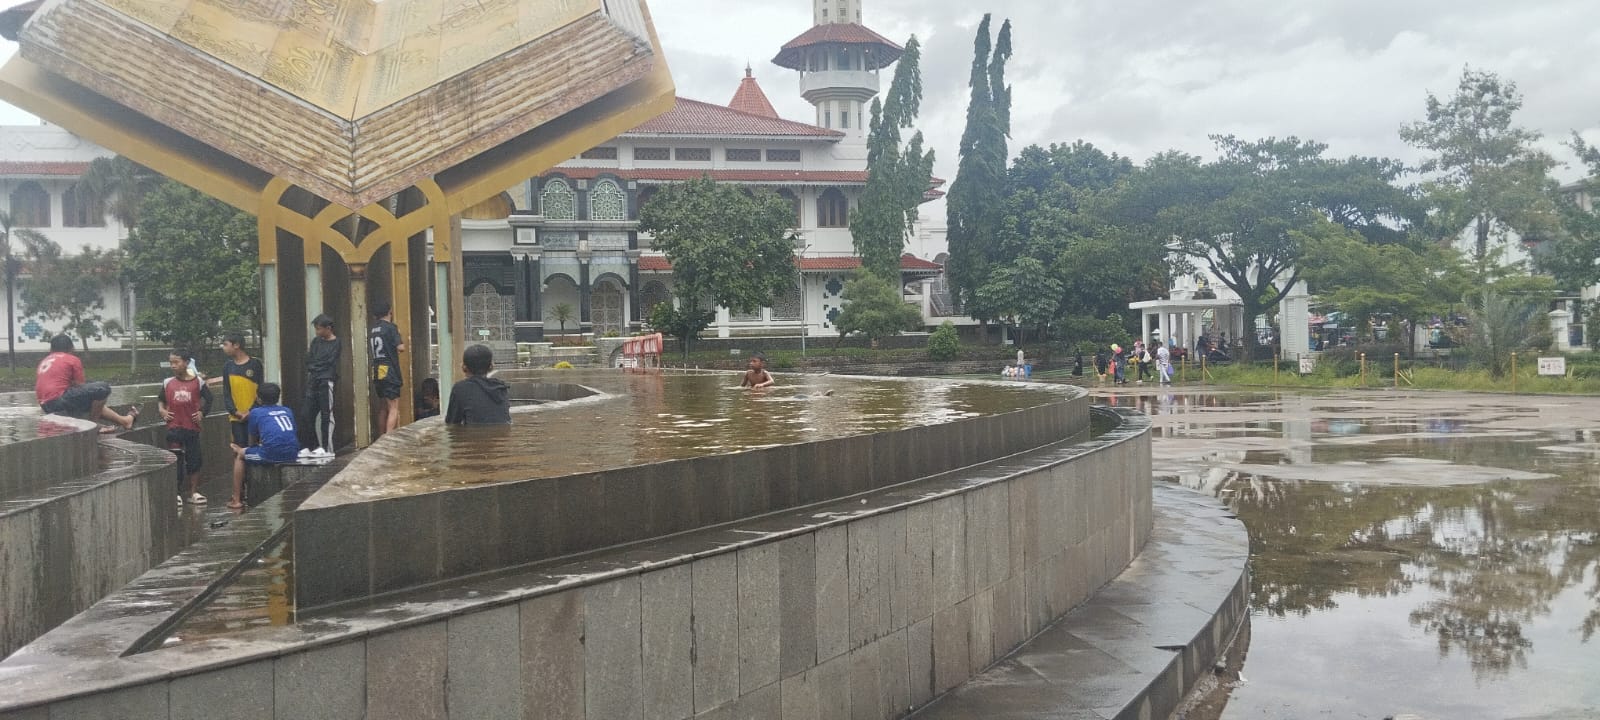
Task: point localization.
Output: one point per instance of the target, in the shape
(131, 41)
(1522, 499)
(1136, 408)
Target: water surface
(1436, 554)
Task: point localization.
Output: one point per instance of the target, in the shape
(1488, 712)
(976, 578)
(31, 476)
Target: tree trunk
(1483, 241)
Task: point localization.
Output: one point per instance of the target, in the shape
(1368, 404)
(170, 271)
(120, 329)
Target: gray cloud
(1141, 76)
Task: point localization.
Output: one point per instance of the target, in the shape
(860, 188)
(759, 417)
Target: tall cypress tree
(897, 175)
(973, 207)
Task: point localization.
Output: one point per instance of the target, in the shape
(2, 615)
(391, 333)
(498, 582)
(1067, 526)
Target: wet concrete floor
(1428, 553)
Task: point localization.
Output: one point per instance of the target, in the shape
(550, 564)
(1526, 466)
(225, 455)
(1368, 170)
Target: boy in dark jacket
(479, 399)
(322, 371)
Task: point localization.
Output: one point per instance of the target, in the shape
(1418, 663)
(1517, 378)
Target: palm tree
(122, 184)
(563, 313)
(11, 266)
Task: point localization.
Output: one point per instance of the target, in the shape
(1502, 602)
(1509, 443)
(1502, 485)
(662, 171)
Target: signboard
(1552, 366)
(1308, 365)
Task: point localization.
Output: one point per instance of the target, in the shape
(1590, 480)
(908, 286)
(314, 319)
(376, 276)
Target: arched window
(30, 206)
(833, 210)
(607, 202)
(82, 207)
(556, 201)
(794, 202)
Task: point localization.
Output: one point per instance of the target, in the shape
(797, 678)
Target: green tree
(1365, 280)
(897, 174)
(1574, 258)
(1058, 212)
(123, 184)
(728, 247)
(12, 240)
(563, 313)
(193, 259)
(1251, 215)
(974, 205)
(874, 308)
(1487, 173)
(1499, 325)
(945, 343)
(1023, 293)
(70, 288)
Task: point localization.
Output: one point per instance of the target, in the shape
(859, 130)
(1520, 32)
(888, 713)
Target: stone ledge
(1137, 647)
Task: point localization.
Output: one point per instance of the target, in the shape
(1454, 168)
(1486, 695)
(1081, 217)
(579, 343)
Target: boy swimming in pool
(757, 376)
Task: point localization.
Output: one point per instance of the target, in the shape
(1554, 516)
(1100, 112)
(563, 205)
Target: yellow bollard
(1274, 369)
(1183, 369)
(1362, 357)
(1397, 371)
(1202, 368)
(1513, 373)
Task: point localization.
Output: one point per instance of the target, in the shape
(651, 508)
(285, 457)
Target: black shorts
(241, 432)
(78, 399)
(186, 442)
(386, 381)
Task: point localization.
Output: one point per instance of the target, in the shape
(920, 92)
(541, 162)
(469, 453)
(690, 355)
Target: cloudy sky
(1140, 76)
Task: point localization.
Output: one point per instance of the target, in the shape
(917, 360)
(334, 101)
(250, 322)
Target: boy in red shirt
(185, 400)
(61, 388)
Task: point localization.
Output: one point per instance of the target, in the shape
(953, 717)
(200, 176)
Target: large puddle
(1435, 554)
(645, 418)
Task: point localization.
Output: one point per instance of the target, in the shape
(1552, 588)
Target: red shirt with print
(57, 372)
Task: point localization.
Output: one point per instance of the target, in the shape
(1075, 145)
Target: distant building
(570, 236)
(39, 170)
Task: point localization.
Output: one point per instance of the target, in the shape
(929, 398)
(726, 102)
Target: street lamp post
(805, 302)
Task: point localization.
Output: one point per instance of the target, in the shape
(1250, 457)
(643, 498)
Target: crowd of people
(1140, 361)
(262, 430)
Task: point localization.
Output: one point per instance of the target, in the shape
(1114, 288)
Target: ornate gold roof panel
(351, 99)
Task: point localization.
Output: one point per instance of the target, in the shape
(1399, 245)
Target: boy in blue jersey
(272, 428)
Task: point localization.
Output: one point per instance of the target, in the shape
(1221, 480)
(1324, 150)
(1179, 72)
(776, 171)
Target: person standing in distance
(384, 339)
(240, 378)
(184, 402)
(322, 371)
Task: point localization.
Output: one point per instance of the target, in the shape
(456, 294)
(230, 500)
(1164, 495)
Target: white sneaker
(198, 499)
(320, 453)
(180, 501)
(307, 452)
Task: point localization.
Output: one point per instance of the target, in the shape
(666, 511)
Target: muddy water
(647, 418)
(1433, 554)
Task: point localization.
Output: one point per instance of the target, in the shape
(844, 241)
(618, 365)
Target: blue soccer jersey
(274, 425)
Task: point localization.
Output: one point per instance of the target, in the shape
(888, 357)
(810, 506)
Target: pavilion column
(1144, 325)
(583, 294)
(360, 355)
(271, 325)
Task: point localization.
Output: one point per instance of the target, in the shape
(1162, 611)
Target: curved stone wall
(864, 607)
(52, 449)
(66, 546)
(349, 549)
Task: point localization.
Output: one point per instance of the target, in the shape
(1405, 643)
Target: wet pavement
(1427, 553)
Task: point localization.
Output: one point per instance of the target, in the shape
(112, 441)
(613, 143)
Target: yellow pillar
(360, 354)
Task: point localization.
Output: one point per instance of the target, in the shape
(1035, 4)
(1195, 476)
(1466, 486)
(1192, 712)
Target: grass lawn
(1381, 375)
(120, 374)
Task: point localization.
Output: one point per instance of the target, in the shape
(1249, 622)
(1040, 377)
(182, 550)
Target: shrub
(944, 344)
(563, 365)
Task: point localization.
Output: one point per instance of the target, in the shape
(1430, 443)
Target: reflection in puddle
(1434, 554)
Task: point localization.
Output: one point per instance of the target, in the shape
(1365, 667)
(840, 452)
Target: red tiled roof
(693, 117)
(882, 53)
(18, 167)
(775, 177)
(657, 263)
(750, 99)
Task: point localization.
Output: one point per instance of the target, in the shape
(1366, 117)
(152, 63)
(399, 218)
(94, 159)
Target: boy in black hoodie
(479, 399)
(322, 371)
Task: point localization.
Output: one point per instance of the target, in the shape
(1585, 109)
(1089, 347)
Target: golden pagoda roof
(351, 99)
